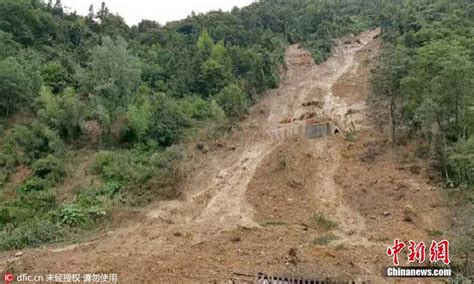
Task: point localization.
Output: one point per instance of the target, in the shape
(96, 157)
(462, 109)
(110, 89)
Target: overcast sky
(158, 10)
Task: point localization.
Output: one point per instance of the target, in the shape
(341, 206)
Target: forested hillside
(133, 97)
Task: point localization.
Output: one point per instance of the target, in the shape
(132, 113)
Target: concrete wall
(311, 131)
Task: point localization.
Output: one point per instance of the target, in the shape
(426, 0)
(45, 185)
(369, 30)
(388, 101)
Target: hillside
(290, 138)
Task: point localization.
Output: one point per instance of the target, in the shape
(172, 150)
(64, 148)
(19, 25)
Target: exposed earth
(268, 199)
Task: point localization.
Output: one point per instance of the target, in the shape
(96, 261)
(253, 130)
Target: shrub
(111, 165)
(233, 101)
(167, 166)
(34, 184)
(30, 234)
(169, 122)
(10, 213)
(197, 108)
(28, 143)
(37, 201)
(3, 177)
(74, 215)
(320, 221)
(49, 168)
(61, 112)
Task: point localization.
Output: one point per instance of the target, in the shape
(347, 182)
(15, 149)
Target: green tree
(62, 112)
(390, 71)
(112, 74)
(233, 101)
(55, 76)
(15, 87)
(205, 44)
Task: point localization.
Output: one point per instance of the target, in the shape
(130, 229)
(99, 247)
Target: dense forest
(136, 95)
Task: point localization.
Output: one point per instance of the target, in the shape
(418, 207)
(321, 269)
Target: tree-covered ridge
(427, 70)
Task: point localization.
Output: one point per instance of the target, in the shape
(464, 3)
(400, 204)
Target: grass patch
(273, 223)
(325, 239)
(320, 221)
(435, 233)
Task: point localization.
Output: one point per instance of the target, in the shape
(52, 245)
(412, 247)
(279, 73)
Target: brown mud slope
(287, 207)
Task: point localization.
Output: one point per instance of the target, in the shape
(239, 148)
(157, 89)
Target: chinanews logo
(8, 277)
(439, 251)
(417, 254)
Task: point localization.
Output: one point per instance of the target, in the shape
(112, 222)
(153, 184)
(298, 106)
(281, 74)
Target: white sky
(133, 11)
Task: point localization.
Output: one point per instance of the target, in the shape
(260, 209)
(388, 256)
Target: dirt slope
(248, 203)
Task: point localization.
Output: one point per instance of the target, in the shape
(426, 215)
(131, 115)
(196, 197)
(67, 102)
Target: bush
(11, 214)
(233, 101)
(197, 108)
(167, 164)
(169, 122)
(34, 184)
(4, 175)
(61, 112)
(30, 234)
(49, 168)
(29, 143)
(37, 201)
(461, 162)
(110, 165)
(74, 215)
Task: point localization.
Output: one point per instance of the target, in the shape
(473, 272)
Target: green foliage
(267, 223)
(112, 74)
(14, 86)
(139, 118)
(49, 168)
(62, 112)
(199, 109)
(27, 21)
(426, 69)
(168, 120)
(55, 76)
(205, 44)
(325, 239)
(73, 215)
(320, 221)
(41, 201)
(8, 47)
(166, 164)
(109, 165)
(34, 184)
(30, 234)
(28, 143)
(233, 101)
(461, 162)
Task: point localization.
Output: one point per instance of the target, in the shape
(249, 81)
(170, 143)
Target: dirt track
(248, 203)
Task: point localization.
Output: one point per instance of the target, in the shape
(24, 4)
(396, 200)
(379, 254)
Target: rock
(409, 213)
(386, 213)
(19, 253)
(235, 239)
(295, 183)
